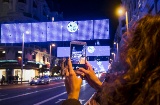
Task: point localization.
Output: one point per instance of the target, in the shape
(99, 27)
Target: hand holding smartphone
(78, 54)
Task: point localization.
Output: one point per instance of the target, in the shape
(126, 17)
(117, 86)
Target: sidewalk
(26, 83)
(19, 83)
(14, 84)
(5, 85)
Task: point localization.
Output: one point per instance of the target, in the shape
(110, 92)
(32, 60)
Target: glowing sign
(72, 27)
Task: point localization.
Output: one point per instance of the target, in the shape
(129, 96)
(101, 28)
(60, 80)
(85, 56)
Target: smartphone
(78, 54)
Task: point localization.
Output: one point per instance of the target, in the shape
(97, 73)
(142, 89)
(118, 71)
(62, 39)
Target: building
(35, 59)
(21, 11)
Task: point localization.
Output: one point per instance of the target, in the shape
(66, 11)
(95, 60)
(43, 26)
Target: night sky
(91, 9)
(88, 9)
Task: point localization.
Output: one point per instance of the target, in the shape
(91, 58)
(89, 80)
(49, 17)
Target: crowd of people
(138, 84)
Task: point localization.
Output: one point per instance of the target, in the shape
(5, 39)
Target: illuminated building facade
(35, 61)
(12, 11)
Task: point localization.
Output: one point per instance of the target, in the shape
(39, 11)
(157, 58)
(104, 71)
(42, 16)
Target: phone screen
(78, 55)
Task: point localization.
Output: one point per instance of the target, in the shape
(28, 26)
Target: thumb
(83, 70)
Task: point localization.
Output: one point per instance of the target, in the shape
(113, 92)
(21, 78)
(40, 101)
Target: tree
(56, 69)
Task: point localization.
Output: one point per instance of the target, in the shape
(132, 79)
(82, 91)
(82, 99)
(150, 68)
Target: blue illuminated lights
(91, 51)
(98, 51)
(8, 33)
(61, 50)
(85, 31)
(72, 26)
(39, 32)
(23, 28)
(101, 29)
(67, 35)
(99, 66)
(55, 31)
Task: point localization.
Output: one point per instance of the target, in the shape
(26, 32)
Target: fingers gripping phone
(78, 54)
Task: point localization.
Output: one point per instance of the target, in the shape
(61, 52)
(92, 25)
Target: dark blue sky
(88, 9)
(85, 9)
(91, 9)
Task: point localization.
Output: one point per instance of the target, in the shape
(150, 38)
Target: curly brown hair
(140, 85)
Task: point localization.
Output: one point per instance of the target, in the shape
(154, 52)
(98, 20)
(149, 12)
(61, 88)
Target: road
(51, 94)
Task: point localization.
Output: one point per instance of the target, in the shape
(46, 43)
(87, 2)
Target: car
(41, 80)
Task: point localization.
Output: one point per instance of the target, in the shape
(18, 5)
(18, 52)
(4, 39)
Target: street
(50, 94)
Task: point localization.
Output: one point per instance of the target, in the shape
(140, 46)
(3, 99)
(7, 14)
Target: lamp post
(126, 13)
(22, 56)
(113, 56)
(121, 13)
(27, 32)
(51, 45)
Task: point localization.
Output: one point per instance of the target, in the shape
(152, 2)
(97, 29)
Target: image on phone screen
(78, 55)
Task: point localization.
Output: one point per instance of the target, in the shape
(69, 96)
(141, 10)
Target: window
(34, 4)
(43, 58)
(2, 54)
(44, 13)
(22, 1)
(47, 60)
(33, 56)
(17, 54)
(6, 1)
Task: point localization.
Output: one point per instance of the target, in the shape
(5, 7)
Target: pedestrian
(140, 83)
(9, 79)
(12, 79)
(16, 77)
(2, 80)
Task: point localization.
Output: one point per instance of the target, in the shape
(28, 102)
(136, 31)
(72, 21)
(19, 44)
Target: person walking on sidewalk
(2, 80)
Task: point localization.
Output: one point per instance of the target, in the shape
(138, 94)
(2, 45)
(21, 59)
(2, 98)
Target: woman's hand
(72, 82)
(90, 76)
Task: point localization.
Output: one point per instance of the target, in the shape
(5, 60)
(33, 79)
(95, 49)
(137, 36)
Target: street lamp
(27, 32)
(121, 12)
(126, 20)
(113, 56)
(51, 45)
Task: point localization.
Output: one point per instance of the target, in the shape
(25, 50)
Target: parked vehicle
(41, 80)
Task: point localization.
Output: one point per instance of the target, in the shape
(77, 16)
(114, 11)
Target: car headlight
(35, 80)
(42, 79)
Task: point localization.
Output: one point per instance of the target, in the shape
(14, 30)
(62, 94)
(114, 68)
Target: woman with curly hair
(140, 84)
